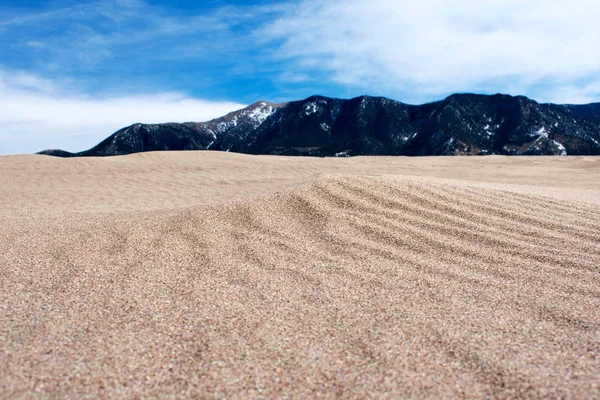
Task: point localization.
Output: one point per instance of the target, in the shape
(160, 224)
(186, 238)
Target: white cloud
(427, 48)
(36, 114)
(577, 94)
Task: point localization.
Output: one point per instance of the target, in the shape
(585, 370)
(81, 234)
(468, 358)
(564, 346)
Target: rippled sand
(199, 274)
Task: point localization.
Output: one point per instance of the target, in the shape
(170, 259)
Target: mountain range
(461, 124)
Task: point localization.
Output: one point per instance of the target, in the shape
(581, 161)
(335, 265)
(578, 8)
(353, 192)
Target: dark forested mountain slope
(321, 126)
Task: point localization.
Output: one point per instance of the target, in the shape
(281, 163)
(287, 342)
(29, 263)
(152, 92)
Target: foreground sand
(199, 274)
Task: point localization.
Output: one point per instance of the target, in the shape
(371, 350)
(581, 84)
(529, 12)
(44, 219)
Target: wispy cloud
(134, 45)
(433, 47)
(36, 113)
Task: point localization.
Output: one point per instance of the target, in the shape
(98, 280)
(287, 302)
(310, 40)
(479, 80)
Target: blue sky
(71, 72)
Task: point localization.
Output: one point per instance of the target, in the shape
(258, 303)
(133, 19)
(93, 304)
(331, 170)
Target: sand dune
(220, 275)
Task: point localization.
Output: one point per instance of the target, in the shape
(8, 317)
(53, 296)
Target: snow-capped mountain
(321, 126)
(222, 133)
(236, 127)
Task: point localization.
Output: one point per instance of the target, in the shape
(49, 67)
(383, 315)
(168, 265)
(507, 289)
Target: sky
(73, 72)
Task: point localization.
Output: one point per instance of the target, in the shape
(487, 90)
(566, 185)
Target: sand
(214, 275)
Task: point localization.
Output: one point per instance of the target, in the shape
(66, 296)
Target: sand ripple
(346, 285)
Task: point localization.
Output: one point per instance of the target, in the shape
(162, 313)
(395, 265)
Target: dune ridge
(322, 281)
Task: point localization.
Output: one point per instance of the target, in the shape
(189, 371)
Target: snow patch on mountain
(560, 147)
(487, 129)
(542, 132)
(261, 113)
(222, 127)
(311, 108)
